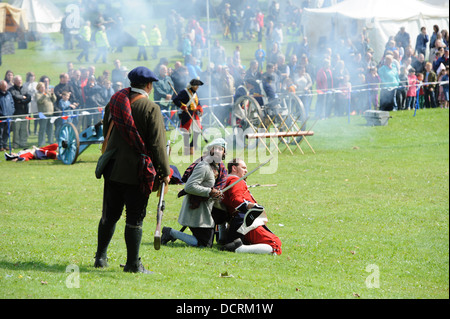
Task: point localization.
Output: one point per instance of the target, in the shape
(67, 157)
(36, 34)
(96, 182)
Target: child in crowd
(260, 56)
(66, 106)
(441, 97)
(421, 93)
(446, 88)
(288, 86)
(412, 89)
(344, 98)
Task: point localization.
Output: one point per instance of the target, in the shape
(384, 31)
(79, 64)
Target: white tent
(43, 16)
(443, 3)
(381, 18)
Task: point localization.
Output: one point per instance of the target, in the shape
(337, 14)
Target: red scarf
(123, 120)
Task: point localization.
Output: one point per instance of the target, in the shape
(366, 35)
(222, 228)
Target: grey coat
(199, 183)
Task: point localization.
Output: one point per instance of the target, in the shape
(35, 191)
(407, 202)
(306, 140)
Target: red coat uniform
(195, 108)
(234, 197)
(42, 153)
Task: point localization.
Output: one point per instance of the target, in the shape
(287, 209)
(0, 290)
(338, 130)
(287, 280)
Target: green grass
(53, 61)
(369, 196)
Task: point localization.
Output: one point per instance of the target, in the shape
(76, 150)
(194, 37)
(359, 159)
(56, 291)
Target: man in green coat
(137, 140)
(429, 77)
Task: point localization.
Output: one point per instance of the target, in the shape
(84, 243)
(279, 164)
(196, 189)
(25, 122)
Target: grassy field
(370, 205)
(52, 60)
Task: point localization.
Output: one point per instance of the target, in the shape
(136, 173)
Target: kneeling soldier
(252, 235)
(200, 199)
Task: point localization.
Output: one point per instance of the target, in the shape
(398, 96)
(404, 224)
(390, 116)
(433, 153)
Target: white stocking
(255, 249)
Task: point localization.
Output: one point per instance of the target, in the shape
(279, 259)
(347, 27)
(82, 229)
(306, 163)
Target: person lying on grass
(37, 153)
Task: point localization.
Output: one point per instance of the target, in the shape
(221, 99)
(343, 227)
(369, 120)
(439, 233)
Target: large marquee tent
(381, 18)
(43, 16)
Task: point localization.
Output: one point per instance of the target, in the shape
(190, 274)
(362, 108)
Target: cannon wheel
(68, 143)
(295, 107)
(246, 109)
(296, 112)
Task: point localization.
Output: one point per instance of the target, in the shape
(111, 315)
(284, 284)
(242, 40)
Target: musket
(264, 185)
(160, 209)
(245, 176)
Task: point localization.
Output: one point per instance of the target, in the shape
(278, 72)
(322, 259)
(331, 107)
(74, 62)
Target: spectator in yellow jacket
(85, 39)
(142, 42)
(155, 40)
(101, 40)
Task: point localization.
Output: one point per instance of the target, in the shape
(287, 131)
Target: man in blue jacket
(6, 110)
(421, 41)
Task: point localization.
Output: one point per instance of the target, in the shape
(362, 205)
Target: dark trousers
(204, 236)
(85, 51)
(142, 53)
(117, 195)
(430, 97)
(101, 53)
(410, 102)
(322, 105)
(155, 51)
(4, 135)
(388, 100)
(401, 98)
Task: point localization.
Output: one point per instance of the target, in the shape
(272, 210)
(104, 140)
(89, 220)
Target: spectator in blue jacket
(193, 68)
(260, 56)
(421, 41)
(389, 82)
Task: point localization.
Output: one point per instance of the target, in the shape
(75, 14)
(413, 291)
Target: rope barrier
(100, 110)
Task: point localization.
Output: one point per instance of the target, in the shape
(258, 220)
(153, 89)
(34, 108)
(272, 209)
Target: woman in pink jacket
(412, 89)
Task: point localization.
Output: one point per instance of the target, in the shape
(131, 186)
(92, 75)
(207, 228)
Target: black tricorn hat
(195, 82)
(252, 82)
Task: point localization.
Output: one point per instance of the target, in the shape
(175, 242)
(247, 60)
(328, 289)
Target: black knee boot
(133, 236)
(105, 233)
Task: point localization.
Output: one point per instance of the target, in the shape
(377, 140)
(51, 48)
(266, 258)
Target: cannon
(71, 144)
(286, 115)
(247, 112)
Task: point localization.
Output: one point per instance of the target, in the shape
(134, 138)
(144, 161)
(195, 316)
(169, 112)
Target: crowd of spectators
(344, 75)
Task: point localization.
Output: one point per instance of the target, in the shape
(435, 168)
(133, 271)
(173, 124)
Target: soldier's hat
(195, 82)
(251, 82)
(141, 74)
(217, 142)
